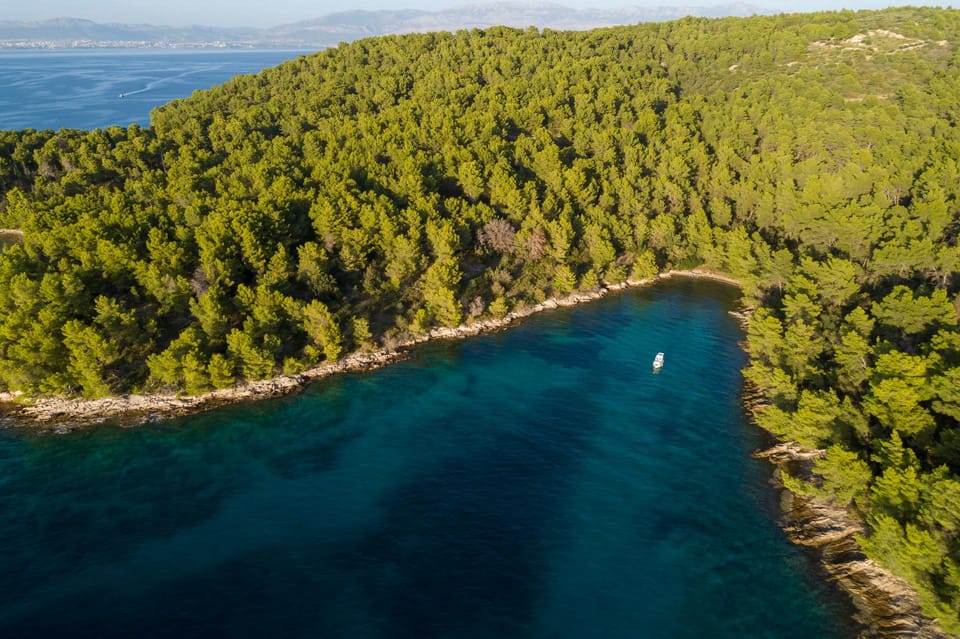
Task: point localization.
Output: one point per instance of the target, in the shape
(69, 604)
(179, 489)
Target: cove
(541, 482)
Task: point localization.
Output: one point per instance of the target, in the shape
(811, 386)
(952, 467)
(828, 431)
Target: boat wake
(153, 85)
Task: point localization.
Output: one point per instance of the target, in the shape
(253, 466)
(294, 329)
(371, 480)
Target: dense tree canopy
(391, 185)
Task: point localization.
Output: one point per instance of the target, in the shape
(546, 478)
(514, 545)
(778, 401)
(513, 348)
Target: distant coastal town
(123, 44)
(332, 29)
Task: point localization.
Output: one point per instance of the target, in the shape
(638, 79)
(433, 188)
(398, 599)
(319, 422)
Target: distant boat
(122, 96)
(658, 362)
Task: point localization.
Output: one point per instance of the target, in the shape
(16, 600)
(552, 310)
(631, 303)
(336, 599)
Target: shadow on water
(536, 482)
(453, 551)
(461, 547)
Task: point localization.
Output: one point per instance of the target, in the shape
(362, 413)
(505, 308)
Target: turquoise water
(80, 88)
(541, 482)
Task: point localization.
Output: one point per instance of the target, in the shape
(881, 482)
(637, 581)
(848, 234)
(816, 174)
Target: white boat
(658, 362)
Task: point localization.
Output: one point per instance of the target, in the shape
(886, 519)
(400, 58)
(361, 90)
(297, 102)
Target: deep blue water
(537, 483)
(81, 88)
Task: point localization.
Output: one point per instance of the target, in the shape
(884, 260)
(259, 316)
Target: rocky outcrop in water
(887, 606)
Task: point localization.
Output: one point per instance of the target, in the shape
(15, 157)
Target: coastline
(62, 414)
(887, 607)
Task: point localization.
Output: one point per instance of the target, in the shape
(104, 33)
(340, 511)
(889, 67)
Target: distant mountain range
(334, 28)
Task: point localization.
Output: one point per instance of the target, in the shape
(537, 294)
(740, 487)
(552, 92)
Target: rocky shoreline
(887, 607)
(62, 414)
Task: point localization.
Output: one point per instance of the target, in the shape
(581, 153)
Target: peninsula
(380, 192)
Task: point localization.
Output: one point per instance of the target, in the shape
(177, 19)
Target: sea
(97, 88)
(543, 482)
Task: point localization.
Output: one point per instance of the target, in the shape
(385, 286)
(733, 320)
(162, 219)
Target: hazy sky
(268, 13)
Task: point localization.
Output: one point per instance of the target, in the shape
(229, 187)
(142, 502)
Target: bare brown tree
(497, 235)
(477, 307)
(537, 244)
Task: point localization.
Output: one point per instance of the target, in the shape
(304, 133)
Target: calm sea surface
(537, 483)
(81, 88)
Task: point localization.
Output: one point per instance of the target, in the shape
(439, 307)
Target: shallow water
(81, 88)
(542, 482)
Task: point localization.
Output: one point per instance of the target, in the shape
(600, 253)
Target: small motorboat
(658, 362)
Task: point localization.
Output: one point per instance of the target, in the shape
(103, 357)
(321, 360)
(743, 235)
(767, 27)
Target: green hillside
(373, 191)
